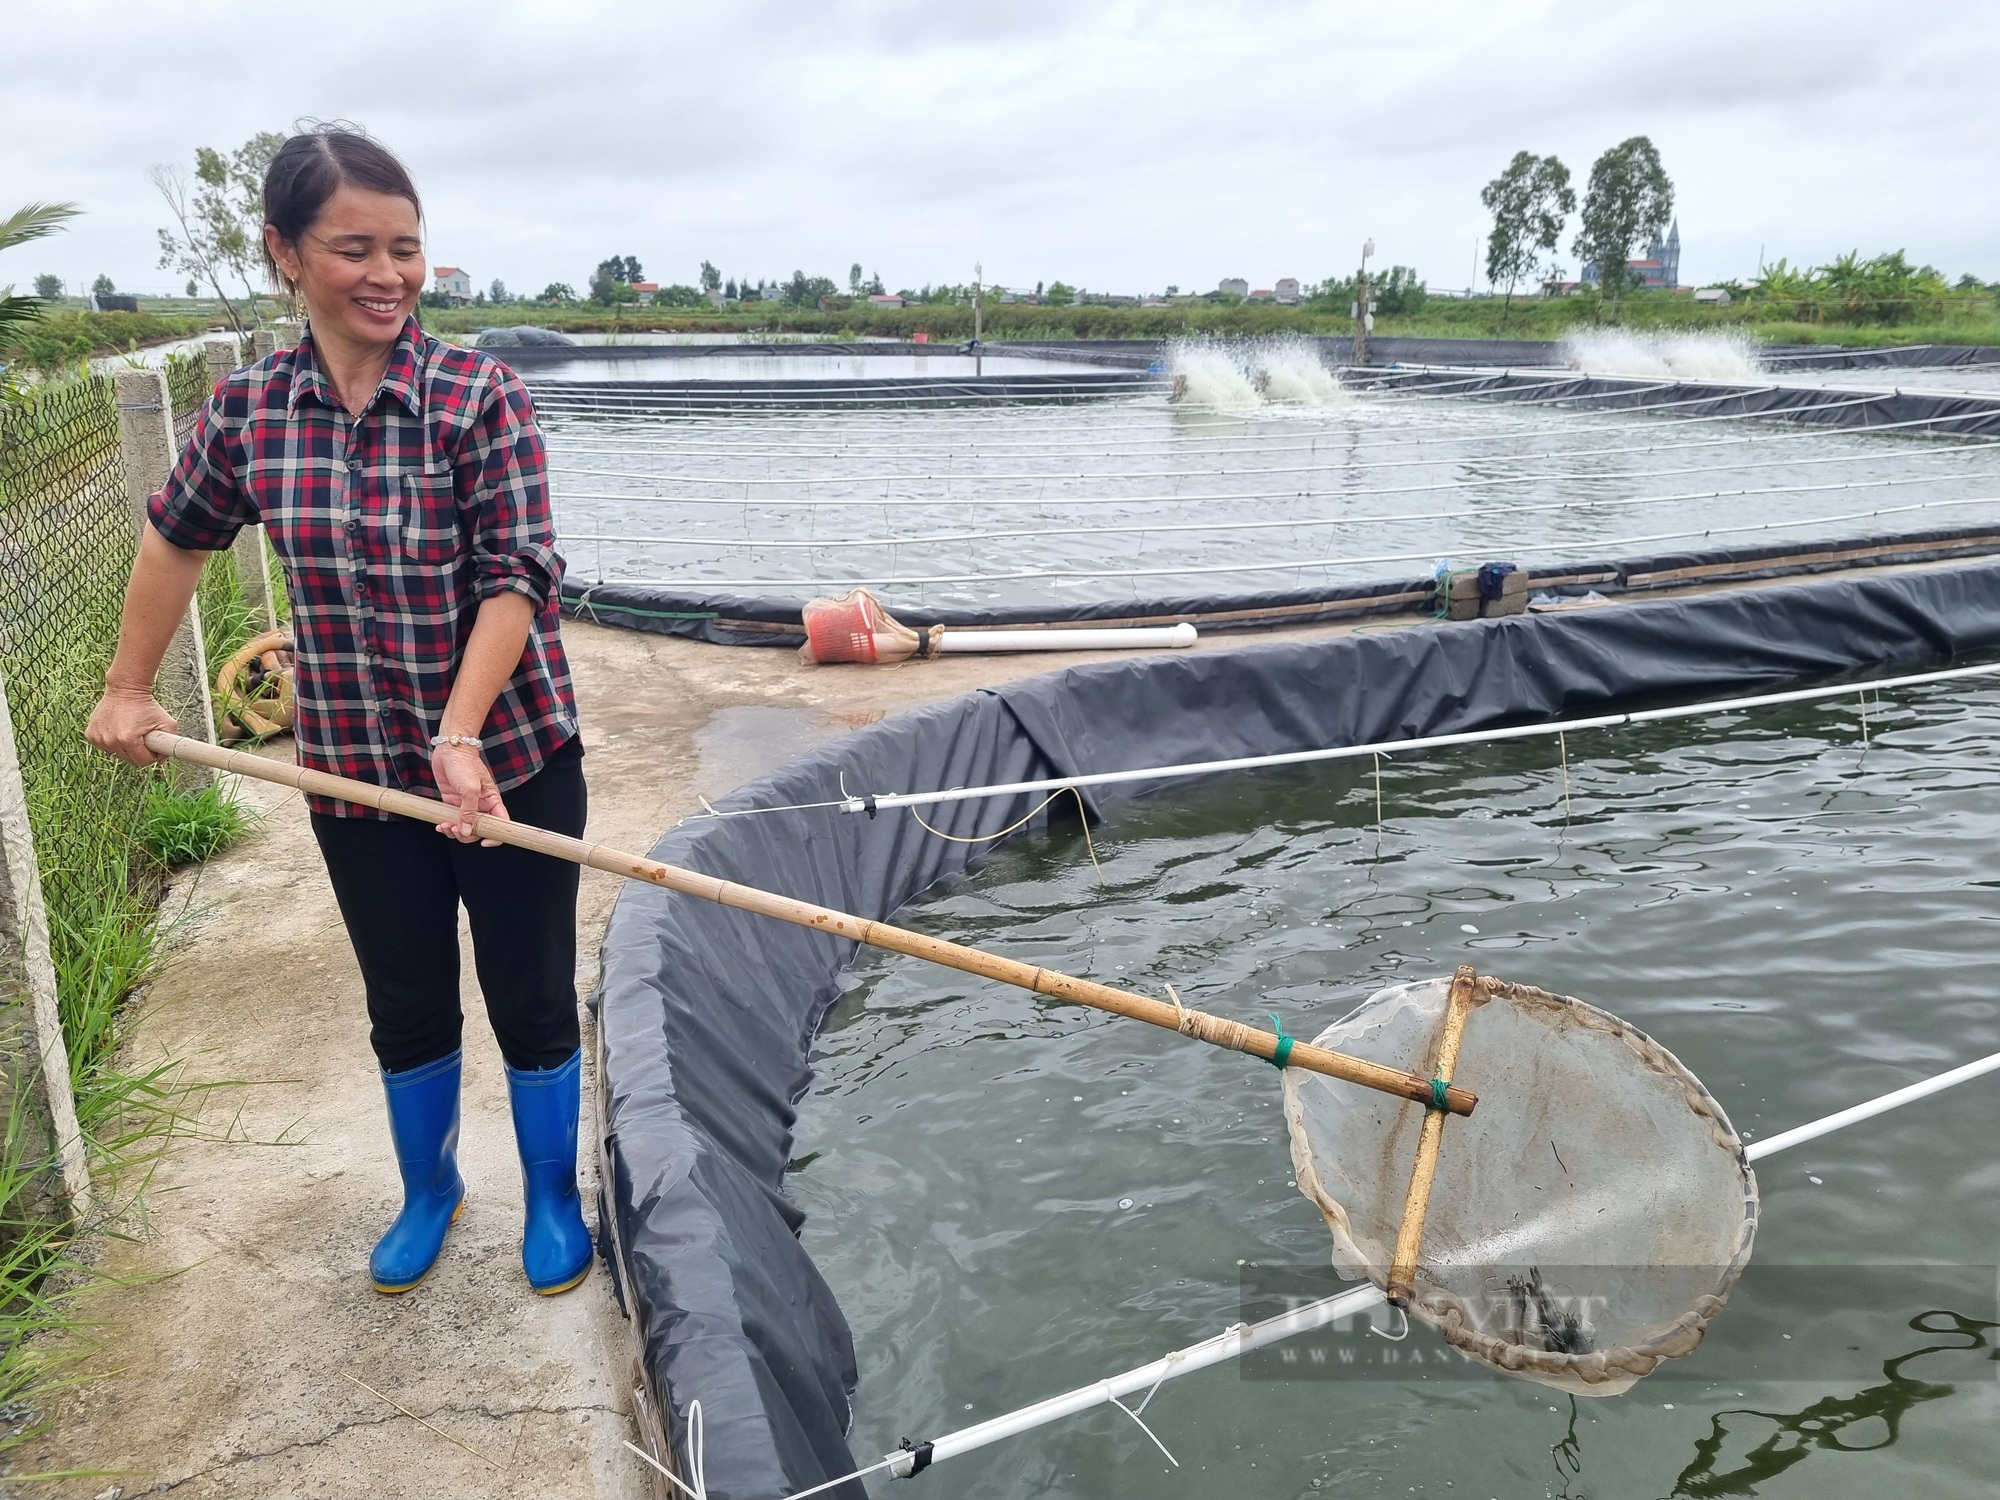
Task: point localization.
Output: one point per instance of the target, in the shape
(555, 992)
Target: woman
(402, 482)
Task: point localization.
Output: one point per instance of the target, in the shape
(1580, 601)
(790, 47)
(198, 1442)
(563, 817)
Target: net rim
(1603, 1371)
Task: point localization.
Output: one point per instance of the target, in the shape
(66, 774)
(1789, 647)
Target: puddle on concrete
(740, 744)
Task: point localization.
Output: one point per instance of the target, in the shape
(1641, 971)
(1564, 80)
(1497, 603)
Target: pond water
(1012, 1198)
(1140, 498)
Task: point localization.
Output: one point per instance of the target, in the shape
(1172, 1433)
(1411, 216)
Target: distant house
(112, 302)
(1286, 291)
(1262, 294)
(1715, 294)
(647, 290)
(884, 299)
(451, 282)
(1233, 286)
(1659, 269)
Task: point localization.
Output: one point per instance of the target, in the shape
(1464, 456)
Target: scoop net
(1585, 1223)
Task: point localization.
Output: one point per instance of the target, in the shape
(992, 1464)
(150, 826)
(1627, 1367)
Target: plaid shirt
(392, 526)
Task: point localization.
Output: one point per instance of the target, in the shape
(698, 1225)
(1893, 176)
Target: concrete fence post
(263, 343)
(253, 563)
(34, 1058)
(145, 445)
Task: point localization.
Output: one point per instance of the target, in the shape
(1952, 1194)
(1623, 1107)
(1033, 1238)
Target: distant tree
(193, 287)
(219, 222)
(1629, 200)
(48, 288)
(805, 291)
(612, 280)
(854, 279)
(103, 286)
(1966, 283)
(497, 293)
(1173, 291)
(678, 295)
(1400, 292)
(873, 285)
(1038, 290)
(1059, 295)
(711, 279)
(729, 290)
(1529, 202)
(557, 291)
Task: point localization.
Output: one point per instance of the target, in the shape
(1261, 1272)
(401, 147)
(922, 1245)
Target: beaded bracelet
(466, 741)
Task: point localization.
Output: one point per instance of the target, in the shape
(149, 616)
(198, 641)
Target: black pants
(399, 884)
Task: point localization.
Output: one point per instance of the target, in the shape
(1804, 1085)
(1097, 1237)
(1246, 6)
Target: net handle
(1218, 1031)
(1416, 1206)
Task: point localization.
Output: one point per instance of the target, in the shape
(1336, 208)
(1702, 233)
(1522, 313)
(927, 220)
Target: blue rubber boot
(423, 1122)
(555, 1246)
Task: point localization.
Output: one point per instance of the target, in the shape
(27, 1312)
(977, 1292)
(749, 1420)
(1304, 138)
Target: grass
(59, 341)
(1965, 318)
(188, 827)
(69, 539)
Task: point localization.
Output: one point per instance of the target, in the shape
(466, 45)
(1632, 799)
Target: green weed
(186, 827)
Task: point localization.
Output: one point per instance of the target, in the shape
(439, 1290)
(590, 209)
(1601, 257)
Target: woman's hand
(122, 720)
(462, 778)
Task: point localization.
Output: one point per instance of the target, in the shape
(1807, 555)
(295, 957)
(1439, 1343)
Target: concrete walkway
(234, 1356)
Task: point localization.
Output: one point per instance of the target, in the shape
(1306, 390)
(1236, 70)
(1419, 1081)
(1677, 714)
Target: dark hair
(311, 165)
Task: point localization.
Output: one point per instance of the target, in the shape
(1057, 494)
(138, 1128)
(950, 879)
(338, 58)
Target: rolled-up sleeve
(201, 507)
(504, 470)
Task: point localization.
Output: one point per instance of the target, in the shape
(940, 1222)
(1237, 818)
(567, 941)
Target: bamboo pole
(1416, 1207)
(1216, 1030)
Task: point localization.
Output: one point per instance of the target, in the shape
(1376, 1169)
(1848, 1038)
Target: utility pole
(1364, 317)
(978, 327)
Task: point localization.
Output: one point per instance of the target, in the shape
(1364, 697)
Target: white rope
(1364, 518)
(1559, 728)
(935, 433)
(792, 481)
(1291, 565)
(959, 448)
(1244, 1338)
(1074, 418)
(697, 1458)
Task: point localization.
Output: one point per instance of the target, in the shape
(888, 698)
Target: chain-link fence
(66, 547)
(226, 616)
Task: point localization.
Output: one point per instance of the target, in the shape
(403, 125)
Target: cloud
(1118, 145)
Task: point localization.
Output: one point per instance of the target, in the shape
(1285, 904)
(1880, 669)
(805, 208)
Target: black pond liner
(773, 620)
(706, 1015)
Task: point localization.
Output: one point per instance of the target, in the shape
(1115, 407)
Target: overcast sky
(1123, 147)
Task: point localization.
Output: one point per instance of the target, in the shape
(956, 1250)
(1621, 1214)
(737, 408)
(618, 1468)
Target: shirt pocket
(429, 529)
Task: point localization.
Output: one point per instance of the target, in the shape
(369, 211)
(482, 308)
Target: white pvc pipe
(1798, 1135)
(1424, 742)
(1113, 638)
(1233, 1343)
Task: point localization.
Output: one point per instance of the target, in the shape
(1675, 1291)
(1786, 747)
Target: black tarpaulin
(706, 1015)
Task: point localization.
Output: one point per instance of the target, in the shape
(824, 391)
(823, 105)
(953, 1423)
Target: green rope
(1441, 593)
(1438, 1087)
(1285, 1040)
